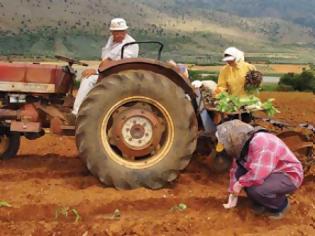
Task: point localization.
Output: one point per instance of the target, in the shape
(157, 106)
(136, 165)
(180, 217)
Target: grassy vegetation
(273, 74)
(193, 31)
(212, 75)
(269, 87)
(203, 75)
(184, 47)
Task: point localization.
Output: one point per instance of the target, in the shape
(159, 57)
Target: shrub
(306, 81)
(289, 79)
(270, 87)
(301, 82)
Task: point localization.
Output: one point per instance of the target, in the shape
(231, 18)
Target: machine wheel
(136, 129)
(9, 145)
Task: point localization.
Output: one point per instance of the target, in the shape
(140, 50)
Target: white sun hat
(117, 24)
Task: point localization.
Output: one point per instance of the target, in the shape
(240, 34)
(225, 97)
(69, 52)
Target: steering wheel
(70, 60)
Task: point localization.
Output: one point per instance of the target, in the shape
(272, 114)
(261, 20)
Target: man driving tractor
(110, 52)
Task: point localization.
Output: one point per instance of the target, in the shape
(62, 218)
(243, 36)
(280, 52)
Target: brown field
(287, 68)
(264, 68)
(206, 68)
(47, 176)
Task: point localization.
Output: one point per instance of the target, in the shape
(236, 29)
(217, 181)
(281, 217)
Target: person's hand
(88, 72)
(218, 90)
(104, 63)
(232, 202)
(237, 187)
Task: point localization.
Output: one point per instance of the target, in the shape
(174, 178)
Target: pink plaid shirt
(267, 154)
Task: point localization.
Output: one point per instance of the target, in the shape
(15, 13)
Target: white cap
(117, 24)
(210, 84)
(233, 54)
(196, 84)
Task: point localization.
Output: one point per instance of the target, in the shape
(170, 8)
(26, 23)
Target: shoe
(279, 215)
(258, 209)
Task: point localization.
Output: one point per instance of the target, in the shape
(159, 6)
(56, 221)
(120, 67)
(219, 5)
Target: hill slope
(191, 29)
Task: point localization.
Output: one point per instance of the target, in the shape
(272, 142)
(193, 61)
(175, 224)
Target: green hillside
(192, 30)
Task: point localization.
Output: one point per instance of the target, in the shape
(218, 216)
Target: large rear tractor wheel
(136, 129)
(9, 144)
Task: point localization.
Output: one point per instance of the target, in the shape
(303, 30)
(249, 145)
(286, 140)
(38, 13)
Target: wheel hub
(136, 132)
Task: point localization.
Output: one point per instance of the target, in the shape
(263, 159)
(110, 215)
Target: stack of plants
(230, 104)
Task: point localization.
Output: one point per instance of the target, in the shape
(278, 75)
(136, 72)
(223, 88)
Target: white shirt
(112, 50)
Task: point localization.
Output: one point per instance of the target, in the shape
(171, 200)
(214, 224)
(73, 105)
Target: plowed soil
(46, 184)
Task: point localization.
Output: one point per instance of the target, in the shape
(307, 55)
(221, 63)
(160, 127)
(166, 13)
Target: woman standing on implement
(232, 75)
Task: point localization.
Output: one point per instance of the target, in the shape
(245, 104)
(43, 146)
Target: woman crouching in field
(262, 165)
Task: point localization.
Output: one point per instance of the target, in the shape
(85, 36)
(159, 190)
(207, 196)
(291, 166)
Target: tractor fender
(166, 69)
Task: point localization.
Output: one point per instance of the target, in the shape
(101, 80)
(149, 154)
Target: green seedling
(4, 204)
(65, 212)
(76, 214)
(114, 216)
(179, 207)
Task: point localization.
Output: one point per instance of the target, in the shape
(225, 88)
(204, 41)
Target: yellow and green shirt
(232, 78)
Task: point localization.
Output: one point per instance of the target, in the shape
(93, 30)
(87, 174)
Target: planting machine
(138, 127)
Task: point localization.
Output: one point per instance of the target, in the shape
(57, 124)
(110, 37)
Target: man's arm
(106, 49)
(131, 51)
(104, 64)
(115, 53)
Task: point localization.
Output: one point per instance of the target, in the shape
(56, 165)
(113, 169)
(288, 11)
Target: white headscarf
(234, 54)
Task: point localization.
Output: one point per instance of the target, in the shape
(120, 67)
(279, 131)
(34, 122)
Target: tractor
(138, 127)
